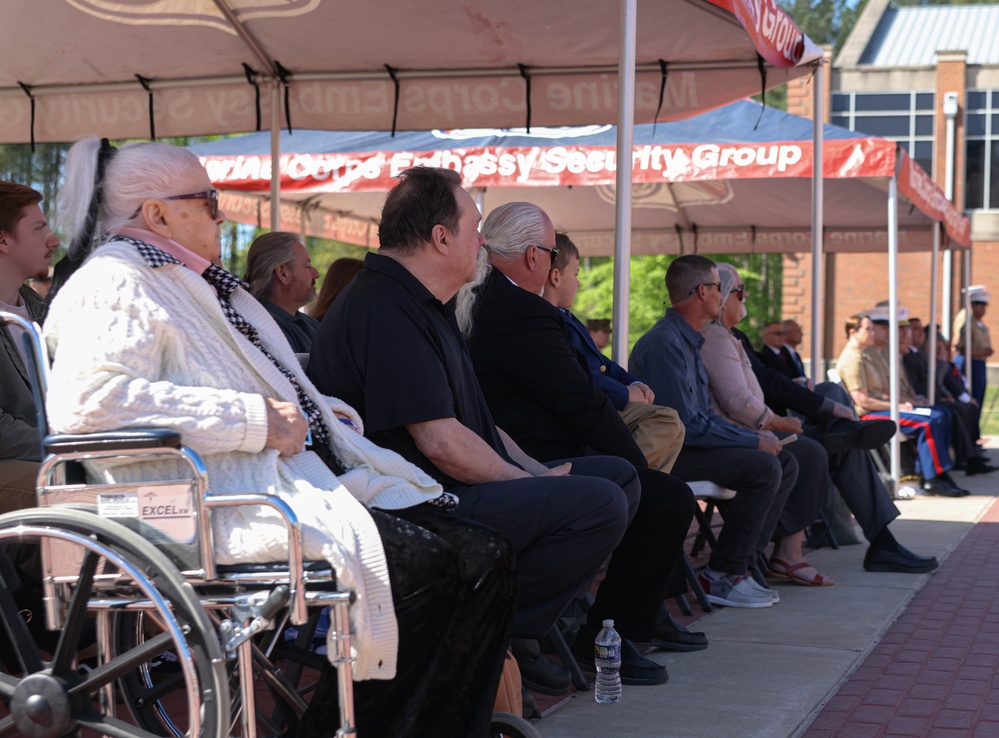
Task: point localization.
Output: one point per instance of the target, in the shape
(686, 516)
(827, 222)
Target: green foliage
(236, 241)
(762, 274)
(990, 413)
(41, 170)
(825, 21)
(324, 252)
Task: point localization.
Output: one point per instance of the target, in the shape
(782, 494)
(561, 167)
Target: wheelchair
(144, 635)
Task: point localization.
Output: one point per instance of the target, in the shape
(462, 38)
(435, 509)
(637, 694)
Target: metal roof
(911, 36)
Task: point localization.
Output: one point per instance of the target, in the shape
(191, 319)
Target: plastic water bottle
(607, 656)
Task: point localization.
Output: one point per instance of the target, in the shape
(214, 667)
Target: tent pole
(968, 317)
(622, 203)
(276, 155)
(818, 283)
(931, 380)
(896, 470)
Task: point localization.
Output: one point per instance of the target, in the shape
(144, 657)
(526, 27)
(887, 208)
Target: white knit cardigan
(139, 346)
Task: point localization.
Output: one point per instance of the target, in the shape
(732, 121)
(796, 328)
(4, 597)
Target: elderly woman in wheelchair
(150, 331)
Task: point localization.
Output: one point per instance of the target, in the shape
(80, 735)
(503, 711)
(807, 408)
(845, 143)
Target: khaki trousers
(658, 432)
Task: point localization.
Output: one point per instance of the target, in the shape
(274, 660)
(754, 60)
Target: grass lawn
(990, 412)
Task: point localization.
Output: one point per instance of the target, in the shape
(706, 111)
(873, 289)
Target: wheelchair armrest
(132, 439)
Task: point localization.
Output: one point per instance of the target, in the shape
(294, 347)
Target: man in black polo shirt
(390, 347)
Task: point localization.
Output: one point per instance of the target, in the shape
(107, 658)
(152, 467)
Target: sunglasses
(706, 284)
(552, 252)
(741, 292)
(211, 195)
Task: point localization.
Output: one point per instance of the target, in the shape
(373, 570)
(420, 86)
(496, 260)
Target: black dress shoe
(538, 673)
(862, 434)
(948, 479)
(978, 465)
(673, 637)
(903, 561)
(636, 670)
(939, 487)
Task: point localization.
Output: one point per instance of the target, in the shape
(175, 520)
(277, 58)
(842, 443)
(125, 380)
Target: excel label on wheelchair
(163, 513)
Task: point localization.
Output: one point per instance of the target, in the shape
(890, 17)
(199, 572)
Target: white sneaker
(734, 592)
(771, 593)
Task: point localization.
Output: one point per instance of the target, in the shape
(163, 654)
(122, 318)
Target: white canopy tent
(83, 66)
(193, 67)
(726, 181)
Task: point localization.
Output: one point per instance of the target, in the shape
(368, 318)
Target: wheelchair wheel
(507, 725)
(50, 697)
(151, 690)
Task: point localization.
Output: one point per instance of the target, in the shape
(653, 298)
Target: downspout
(950, 109)
(818, 226)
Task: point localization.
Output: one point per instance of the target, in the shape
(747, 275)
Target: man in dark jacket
(829, 419)
(26, 246)
(539, 390)
(961, 405)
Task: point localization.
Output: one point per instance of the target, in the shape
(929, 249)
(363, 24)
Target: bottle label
(612, 652)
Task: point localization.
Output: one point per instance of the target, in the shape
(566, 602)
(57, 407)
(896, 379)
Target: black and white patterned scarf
(225, 284)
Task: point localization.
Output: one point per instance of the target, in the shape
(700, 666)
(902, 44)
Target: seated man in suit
(539, 390)
(600, 332)
(656, 429)
(773, 352)
(950, 382)
(668, 359)
(390, 346)
(26, 246)
(280, 274)
(792, 339)
(965, 432)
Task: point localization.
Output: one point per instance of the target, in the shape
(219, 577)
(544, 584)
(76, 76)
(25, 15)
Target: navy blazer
(779, 391)
(610, 377)
(783, 362)
(538, 387)
(917, 369)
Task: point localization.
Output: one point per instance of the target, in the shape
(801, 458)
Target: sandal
(789, 574)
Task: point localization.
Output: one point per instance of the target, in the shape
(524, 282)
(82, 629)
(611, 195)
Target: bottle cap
(608, 623)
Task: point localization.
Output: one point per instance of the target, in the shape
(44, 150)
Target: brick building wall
(855, 282)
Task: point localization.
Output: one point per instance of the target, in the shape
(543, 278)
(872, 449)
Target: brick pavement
(936, 671)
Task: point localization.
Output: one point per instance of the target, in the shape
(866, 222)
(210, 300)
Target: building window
(981, 125)
(906, 117)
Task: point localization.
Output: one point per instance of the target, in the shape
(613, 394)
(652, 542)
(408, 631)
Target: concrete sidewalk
(769, 673)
